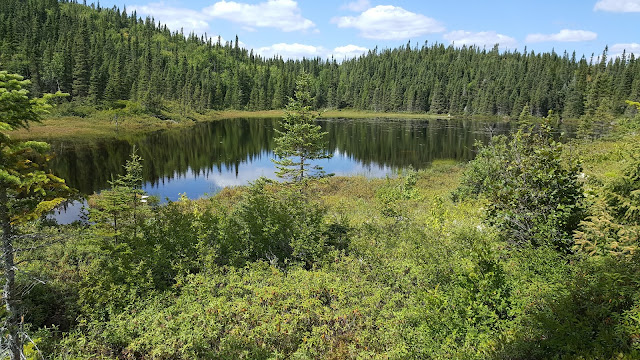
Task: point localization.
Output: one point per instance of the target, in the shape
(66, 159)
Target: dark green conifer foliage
(300, 140)
(116, 212)
(614, 226)
(82, 60)
(438, 105)
(27, 190)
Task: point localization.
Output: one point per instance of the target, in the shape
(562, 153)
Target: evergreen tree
(53, 72)
(438, 105)
(301, 140)
(117, 210)
(81, 67)
(27, 190)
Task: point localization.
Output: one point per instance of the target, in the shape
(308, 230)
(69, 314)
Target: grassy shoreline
(66, 124)
(82, 123)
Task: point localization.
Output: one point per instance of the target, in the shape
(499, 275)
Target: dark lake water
(209, 156)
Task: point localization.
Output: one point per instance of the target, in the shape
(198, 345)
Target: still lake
(205, 158)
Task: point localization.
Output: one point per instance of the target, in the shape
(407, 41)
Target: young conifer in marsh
(116, 211)
(300, 141)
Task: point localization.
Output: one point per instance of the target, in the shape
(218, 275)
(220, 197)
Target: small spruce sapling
(119, 207)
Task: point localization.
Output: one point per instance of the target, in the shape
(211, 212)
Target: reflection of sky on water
(196, 185)
(69, 213)
(211, 156)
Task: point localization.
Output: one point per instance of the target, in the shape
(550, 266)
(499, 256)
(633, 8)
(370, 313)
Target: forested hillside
(529, 251)
(100, 55)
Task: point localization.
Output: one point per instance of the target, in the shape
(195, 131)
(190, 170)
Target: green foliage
(631, 122)
(525, 118)
(27, 190)
(579, 311)
(23, 163)
(300, 140)
(102, 55)
(435, 285)
(391, 194)
(185, 238)
(601, 235)
(623, 196)
(633, 103)
(92, 276)
(121, 209)
(596, 125)
(532, 196)
(353, 306)
(614, 226)
(279, 225)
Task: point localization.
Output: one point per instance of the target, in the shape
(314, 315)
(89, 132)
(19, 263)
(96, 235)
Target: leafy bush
(276, 224)
(181, 238)
(391, 195)
(532, 196)
(74, 108)
(579, 310)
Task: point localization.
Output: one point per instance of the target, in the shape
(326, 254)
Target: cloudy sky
(344, 28)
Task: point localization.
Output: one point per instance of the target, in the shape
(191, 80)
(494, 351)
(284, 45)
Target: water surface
(209, 156)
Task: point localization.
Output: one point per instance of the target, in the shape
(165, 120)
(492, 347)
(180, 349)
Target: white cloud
(357, 6)
(248, 172)
(174, 18)
(387, 22)
(280, 14)
(482, 38)
(299, 51)
(292, 51)
(617, 49)
(564, 35)
(618, 5)
(348, 52)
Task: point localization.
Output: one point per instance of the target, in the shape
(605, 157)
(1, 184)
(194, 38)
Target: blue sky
(344, 28)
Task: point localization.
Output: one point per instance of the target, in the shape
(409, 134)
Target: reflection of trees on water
(213, 146)
(224, 145)
(400, 143)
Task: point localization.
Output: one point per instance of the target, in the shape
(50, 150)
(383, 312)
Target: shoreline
(105, 124)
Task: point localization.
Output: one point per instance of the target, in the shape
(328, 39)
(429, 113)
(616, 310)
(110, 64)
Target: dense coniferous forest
(528, 251)
(99, 55)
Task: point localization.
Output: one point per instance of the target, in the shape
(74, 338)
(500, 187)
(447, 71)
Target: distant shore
(63, 124)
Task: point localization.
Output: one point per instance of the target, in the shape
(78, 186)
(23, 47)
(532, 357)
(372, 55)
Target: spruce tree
(81, 66)
(438, 105)
(301, 140)
(116, 211)
(27, 190)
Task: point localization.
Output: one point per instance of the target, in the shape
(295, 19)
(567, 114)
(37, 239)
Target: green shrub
(582, 310)
(532, 196)
(391, 195)
(181, 238)
(276, 223)
(74, 108)
(614, 226)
